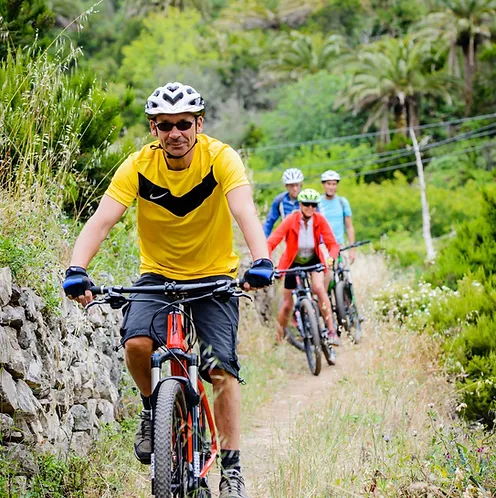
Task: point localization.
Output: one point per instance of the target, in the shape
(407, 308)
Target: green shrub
(465, 306)
(473, 247)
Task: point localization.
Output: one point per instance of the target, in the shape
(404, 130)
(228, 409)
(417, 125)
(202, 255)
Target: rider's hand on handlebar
(76, 285)
(259, 275)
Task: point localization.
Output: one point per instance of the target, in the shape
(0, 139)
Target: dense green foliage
(472, 313)
(463, 317)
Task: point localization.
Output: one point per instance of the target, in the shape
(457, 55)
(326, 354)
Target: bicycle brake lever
(115, 300)
(93, 303)
(242, 294)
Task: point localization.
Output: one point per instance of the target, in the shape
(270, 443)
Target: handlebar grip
(96, 289)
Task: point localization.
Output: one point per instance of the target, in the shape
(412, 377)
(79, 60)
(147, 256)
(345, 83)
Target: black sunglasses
(182, 125)
(309, 204)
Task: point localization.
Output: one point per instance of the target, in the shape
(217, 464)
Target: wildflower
(460, 407)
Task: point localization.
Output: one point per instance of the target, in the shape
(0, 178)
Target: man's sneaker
(334, 339)
(143, 438)
(232, 484)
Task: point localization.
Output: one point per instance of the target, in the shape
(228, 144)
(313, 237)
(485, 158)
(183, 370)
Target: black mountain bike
(306, 329)
(184, 436)
(343, 298)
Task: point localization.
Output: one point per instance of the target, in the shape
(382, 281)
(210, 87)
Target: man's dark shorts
(216, 324)
(290, 278)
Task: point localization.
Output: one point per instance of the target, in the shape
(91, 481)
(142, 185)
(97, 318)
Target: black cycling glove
(76, 281)
(260, 273)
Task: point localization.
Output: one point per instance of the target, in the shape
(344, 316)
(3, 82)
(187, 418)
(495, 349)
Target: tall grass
(56, 125)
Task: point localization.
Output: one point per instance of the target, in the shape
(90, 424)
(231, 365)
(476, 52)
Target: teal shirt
(334, 211)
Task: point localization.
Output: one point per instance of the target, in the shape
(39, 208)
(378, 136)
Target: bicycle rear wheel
(326, 346)
(354, 322)
(341, 307)
(170, 465)
(312, 336)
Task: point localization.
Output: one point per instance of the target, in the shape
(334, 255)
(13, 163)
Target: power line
(365, 135)
(428, 160)
(479, 133)
(397, 153)
(401, 166)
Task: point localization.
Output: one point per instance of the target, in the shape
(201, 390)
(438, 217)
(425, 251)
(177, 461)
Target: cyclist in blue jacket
(286, 202)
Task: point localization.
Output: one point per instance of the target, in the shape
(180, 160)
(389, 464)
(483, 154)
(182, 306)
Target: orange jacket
(290, 230)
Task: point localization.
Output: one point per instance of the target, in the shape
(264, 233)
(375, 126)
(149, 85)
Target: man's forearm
(254, 236)
(350, 233)
(87, 244)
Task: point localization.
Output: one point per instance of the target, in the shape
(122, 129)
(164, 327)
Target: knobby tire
(312, 336)
(341, 308)
(169, 441)
(294, 337)
(327, 349)
(346, 312)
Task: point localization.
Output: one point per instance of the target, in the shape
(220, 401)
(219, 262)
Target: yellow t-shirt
(184, 222)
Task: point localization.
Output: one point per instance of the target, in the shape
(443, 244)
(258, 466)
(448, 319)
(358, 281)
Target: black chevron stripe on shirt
(179, 206)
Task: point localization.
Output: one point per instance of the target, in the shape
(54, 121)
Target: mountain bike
(306, 331)
(182, 450)
(343, 298)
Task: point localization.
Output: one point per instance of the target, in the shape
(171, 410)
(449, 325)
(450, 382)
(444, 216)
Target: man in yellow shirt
(187, 185)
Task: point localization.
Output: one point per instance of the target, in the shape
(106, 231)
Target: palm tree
(390, 77)
(272, 14)
(465, 25)
(298, 55)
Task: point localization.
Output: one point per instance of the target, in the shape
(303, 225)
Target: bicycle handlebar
(356, 244)
(318, 267)
(169, 288)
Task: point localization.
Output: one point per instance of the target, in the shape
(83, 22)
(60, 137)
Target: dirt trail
(277, 418)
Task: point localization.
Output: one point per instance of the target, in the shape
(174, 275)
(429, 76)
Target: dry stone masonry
(59, 376)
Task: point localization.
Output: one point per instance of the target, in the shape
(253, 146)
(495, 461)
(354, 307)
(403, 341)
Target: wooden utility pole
(426, 217)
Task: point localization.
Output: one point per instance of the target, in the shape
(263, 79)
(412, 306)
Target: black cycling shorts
(216, 324)
(290, 278)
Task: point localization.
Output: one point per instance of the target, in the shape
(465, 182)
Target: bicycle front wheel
(312, 336)
(170, 465)
(293, 335)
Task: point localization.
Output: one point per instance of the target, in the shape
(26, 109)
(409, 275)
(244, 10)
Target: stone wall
(59, 376)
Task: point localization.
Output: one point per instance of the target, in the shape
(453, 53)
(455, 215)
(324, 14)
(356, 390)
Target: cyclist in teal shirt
(337, 211)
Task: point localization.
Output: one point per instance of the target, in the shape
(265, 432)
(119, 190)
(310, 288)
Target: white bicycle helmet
(330, 175)
(174, 98)
(292, 175)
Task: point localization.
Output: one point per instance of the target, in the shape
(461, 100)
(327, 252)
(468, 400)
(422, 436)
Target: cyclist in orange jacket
(303, 231)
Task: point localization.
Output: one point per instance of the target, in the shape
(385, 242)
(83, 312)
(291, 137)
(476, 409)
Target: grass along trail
(355, 425)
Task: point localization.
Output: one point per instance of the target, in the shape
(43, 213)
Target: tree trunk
(469, 71)
(426, 217)
(401, 118)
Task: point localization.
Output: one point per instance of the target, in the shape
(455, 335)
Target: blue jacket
(281, 207)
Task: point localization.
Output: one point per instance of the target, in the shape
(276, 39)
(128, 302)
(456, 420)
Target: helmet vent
(173, 100)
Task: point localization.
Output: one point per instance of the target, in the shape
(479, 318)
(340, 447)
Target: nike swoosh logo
(153, 197)
(178, 205)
